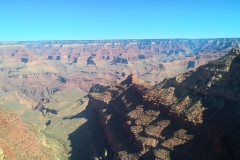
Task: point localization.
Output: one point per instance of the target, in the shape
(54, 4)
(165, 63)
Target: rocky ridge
(194, 115)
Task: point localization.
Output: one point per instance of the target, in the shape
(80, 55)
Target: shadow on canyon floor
(86, 141)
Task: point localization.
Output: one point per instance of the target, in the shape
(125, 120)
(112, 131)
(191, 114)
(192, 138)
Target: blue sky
(119, 19)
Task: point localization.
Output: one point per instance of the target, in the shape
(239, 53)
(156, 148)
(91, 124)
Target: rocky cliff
(195, 115)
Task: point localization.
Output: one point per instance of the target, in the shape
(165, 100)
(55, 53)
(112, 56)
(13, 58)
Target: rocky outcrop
(120, 60)
(194, 115)
(39, 92)
(45, 111)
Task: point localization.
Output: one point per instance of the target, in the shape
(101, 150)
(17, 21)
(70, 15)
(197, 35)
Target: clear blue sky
(118, 19)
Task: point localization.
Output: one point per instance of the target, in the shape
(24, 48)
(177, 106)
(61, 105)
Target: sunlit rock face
(194, 115)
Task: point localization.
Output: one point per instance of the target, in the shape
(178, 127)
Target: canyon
(120, 99)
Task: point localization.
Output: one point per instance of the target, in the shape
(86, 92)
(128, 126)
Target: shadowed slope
(194, 115)
(22, 141)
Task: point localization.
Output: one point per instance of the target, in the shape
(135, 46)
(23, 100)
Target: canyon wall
(194, 115)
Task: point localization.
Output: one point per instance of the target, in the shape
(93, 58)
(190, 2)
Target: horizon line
(116, 39)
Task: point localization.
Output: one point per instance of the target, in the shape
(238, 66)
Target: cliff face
(195, 115)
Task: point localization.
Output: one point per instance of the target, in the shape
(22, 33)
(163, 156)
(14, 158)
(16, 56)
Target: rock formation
(194, 115)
